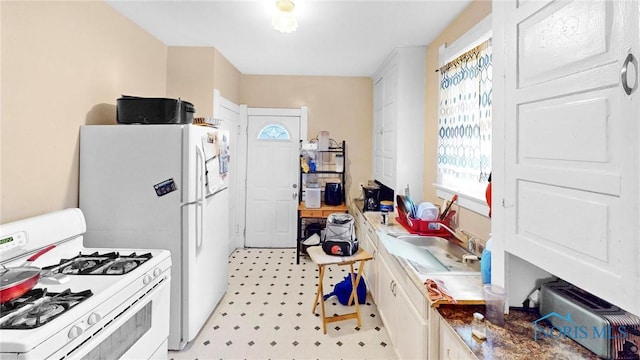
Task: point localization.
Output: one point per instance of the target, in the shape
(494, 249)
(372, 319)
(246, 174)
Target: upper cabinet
(398, 117)
(569, 188)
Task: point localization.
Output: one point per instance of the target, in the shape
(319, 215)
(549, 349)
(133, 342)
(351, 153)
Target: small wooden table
(319, 257)
(320, 213)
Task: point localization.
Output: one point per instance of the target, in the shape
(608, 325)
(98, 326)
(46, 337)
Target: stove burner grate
(112, 263)
(38, 307)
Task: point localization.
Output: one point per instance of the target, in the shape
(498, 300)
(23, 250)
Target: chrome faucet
(453, 232)
(472, 244)
(468, 240)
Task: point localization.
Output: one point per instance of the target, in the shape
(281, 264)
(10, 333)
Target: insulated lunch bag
(339, 235)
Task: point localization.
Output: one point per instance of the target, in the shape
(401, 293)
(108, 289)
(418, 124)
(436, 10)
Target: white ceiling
(334, 38)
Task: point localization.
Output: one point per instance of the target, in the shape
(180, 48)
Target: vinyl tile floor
(266, 314)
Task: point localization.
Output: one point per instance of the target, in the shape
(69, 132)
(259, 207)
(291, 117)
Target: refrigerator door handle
(200, 199)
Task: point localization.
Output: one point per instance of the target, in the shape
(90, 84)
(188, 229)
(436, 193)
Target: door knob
(629, 78)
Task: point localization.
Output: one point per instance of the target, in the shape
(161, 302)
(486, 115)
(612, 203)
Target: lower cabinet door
(412, 331)
(371, 269)
(386, 299)
(450, 346)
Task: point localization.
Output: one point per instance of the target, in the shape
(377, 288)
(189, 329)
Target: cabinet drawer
(326, 213)
(357, 215)
(371, 233)
(310, 213)
(354, 210)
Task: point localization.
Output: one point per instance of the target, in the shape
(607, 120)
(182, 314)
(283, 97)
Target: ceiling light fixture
(284, 20)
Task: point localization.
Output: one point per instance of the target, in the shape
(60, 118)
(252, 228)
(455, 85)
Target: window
(464, 120)
(274, 132)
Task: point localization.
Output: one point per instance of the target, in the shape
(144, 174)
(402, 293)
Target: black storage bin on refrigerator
(140, 110)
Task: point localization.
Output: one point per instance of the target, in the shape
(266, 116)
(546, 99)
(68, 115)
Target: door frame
(243, 153)
(236, 207)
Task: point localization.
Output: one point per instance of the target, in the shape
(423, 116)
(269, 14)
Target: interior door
(272, 180)
(229, 113)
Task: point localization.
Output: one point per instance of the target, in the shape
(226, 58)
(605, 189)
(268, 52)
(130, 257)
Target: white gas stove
(89, 303)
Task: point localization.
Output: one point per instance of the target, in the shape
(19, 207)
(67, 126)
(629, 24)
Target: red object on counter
(424, 227)
(487, 195)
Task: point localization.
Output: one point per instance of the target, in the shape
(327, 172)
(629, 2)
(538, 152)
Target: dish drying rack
(424, 227)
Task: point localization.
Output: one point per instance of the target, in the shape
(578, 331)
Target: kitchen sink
(440, 255)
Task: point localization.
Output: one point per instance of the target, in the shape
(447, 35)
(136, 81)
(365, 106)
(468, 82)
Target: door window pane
(273, 132)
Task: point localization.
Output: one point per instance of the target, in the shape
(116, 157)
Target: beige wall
(476, 11)
(64, 64)
(226, 78)
(190, 76)
(194, 72)
(340, 105)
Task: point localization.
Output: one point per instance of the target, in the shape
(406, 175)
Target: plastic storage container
(494, 297)
(478, 326)
(386, 205)
(339, 163)
(323, 141)
(427, 211)
(312, 196)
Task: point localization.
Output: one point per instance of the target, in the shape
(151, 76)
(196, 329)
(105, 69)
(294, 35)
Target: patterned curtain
(464, 121)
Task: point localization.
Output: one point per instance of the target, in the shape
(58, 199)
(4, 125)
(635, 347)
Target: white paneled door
(571, 126)
(272, 179)
(229, 113)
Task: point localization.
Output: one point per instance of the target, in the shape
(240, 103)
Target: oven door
(139, 331)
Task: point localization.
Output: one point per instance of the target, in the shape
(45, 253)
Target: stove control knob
(75, 331)
(156, 272)
(146, 279)
(94, 318)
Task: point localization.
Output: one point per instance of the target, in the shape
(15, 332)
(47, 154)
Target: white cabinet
(358, 219)
(386, 299)
(569, 186)
(405, 323)
(401, 305)
(367, 239)
(412, 331)
(371, 270)
(451, 346)
(398, 117)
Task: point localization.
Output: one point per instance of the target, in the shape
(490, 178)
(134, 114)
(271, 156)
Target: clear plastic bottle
(479, 327)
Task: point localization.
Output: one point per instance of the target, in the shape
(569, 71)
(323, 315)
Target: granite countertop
(465, 288)
(514, 340)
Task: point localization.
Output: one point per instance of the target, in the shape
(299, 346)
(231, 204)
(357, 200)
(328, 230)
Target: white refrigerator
(164, 187)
